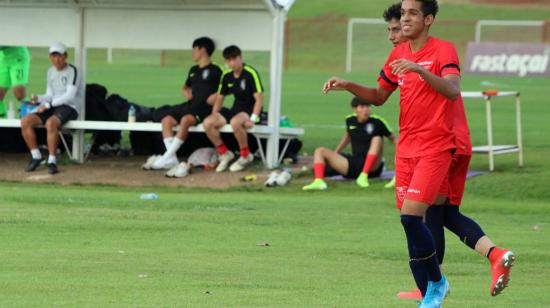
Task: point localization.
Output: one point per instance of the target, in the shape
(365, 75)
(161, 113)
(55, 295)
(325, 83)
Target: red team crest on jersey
(401, 191)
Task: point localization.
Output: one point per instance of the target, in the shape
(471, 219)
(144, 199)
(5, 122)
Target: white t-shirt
(64, 87)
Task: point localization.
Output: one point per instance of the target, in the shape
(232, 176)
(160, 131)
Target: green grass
(102, 246)
(449, 10)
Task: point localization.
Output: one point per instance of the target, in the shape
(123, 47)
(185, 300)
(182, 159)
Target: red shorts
(421, 178)
(453, 187)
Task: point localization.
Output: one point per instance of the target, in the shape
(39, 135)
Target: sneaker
(501, 261)
(283, 178)
(225, 159)
(170, 173)
(52, 169)
(182, 170)
(317, 184)
(416, 294)
(272, 179)
(363, 180)
(165, 162)
(150, 161)
(33, 164)
(390, 184)
(241, 163)
(435, 294)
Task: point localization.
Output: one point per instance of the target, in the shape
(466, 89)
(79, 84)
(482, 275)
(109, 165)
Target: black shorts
(228, 114)
(64, 113)
(355, 167)
(178, 111)
(200, 111)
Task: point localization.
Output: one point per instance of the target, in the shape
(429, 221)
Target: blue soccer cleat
(436, 293)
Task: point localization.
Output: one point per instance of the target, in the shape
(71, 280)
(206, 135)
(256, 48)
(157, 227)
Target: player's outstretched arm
(448, 86)
(393, 139)
(376, 96)
(343, 143)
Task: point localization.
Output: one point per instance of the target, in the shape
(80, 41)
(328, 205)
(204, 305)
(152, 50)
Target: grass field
(90, 246)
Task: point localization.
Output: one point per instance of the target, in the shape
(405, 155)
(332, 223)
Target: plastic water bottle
(149, 196)
(11, 111)
(132, 114)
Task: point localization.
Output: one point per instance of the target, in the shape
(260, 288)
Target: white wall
(37, 26)
(136, 28)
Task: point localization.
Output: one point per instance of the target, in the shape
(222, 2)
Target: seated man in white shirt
(61, 103)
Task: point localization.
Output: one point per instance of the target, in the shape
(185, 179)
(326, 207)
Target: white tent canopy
(256, 25)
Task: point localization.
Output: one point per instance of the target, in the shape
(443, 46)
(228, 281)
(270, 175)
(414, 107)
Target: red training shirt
(426, 117)
(463, 141)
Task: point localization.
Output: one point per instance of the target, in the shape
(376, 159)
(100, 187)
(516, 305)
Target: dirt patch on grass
(126, 171)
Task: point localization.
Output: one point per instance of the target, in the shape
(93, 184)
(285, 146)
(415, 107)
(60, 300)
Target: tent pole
(80, 61)
(277, 49)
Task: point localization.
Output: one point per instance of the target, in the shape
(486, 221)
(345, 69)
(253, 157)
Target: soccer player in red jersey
(446, 212)
(426, 71)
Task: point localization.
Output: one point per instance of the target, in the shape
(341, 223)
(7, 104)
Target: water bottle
(149, 196)
(132, 114)
(11, 111)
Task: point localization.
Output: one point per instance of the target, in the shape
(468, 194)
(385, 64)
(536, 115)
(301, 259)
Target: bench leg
(65, 145)
(262, 154)
(287, 143)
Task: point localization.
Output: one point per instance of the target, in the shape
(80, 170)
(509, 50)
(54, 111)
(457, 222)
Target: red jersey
(460, 129)
(426, 117)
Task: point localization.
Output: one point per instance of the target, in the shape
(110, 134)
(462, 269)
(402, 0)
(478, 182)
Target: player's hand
(33, 99)
(403, 66)
(41, 109)
(335, 83)
(248, 124)
(212, 99)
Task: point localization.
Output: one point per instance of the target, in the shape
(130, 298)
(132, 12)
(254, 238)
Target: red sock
(369, 162)
(222, 149)
(319, 170)
(245, 151)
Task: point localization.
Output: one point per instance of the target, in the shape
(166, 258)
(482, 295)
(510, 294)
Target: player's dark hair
(206, 43)
(393, 12)
(429, 7)
(231, 52)
(356, 101)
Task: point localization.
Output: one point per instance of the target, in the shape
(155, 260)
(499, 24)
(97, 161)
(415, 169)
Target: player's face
(413, 21)
(234, 64)
(363, 112)
(58, 60)
(394, 32)
(197, 53)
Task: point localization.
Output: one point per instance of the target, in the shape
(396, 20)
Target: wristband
(254, 118)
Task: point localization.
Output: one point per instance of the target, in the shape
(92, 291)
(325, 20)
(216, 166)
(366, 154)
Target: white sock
(35, 153)
(174, 147)
(168, 142)
(52, 160)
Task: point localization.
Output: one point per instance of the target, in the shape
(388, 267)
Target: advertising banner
(508, 59)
